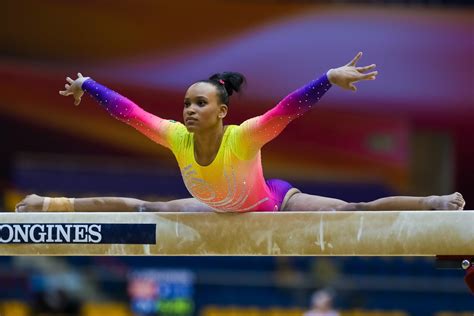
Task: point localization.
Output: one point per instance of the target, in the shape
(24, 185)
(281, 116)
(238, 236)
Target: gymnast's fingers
(65, 92)
(366, 68)
(370, 75)
(355, 60)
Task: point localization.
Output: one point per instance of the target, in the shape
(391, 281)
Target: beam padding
(389, 233)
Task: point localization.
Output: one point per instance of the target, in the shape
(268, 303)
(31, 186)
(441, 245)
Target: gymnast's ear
(223, 111)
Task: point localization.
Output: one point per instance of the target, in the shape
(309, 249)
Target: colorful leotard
(234, 181)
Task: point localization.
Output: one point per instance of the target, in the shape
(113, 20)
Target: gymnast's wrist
(80, 82)
(60, 204)
(330, 75)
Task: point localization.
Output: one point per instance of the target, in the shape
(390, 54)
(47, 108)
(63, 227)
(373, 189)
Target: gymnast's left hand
(74, 88)
(347, 75)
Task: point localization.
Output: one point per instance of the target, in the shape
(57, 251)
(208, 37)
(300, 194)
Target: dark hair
(226, 83)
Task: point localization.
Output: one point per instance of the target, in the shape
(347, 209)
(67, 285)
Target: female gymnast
(221, 164)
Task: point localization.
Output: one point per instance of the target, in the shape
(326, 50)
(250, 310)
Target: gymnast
(221, 164)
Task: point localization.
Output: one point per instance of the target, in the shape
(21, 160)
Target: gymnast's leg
(181, 205)
(307, 202)
(36, 203)
(453, 201)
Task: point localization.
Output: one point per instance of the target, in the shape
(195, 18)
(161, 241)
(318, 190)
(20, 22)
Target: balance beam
(389, 233)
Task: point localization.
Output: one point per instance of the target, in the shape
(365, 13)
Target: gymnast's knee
(146, 206)
(353, 207)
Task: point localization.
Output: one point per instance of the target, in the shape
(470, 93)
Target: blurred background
(408, 132)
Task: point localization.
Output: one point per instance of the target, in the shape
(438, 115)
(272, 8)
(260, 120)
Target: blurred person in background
(321, 304)
(221, 164)
(55, 302)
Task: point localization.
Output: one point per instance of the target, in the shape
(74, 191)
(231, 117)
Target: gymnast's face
(203, 110)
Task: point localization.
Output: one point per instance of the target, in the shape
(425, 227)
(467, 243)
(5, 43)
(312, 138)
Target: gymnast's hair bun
(231, 81)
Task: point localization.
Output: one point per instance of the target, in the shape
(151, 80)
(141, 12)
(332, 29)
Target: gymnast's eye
(201, 102)
(187, 104)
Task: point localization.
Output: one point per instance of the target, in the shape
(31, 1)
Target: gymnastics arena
(67, 247)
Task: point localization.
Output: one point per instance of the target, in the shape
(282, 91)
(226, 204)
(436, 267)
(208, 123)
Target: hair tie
(221, 82)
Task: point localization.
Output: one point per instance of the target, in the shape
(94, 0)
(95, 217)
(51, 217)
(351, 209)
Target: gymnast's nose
(190, 111)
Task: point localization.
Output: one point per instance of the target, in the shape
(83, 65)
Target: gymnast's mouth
(190, 120)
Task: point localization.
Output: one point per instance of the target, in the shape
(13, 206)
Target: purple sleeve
(258, 131)
(300, 100)
(127, 111)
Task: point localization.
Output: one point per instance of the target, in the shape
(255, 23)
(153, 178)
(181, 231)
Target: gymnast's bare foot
(31, 203)
(453, 201)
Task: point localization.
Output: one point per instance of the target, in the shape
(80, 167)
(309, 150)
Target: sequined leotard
(234, 181)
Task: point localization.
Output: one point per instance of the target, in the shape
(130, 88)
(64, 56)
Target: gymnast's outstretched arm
(121, 108)
(258, 131)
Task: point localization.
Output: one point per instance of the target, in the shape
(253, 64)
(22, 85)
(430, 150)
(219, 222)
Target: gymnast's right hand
(74, 88)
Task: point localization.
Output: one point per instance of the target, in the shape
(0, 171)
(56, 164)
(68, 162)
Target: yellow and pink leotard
(234, 181)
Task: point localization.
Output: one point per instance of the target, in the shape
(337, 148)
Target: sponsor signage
(77, 233)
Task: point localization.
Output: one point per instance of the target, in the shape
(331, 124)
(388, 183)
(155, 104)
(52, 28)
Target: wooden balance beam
(389, 233)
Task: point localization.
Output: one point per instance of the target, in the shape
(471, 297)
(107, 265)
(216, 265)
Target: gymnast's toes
(459, 200)
(31, 203)
(452, 201)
